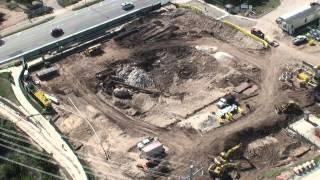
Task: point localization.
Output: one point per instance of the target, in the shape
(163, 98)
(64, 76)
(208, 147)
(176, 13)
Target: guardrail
(245, 32)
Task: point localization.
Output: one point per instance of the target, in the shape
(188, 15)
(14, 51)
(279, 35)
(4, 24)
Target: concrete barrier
(21, 27)
(81, 5)
(195, 9)
(245, 32)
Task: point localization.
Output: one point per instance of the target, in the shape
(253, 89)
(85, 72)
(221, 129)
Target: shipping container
(45, 73)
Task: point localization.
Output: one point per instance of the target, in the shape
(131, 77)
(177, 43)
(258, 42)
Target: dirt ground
(177, 74)
(10, 18)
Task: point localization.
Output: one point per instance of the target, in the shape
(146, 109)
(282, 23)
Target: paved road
(71, 23)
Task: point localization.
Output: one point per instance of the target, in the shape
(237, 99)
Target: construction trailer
(153, 149)
(45, 73)
(293, 20)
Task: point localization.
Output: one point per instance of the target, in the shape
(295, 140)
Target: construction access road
(43, 133)
(72, 23)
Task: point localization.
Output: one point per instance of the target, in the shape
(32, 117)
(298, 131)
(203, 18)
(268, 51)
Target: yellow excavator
(222, 163)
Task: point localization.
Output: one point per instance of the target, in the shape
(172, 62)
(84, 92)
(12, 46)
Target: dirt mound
(163, 65)
(175, 24)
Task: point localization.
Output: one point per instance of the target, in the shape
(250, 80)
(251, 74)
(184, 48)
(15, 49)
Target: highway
(72, 23)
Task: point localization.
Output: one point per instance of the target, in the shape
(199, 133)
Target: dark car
(301, 39)
(57, 32)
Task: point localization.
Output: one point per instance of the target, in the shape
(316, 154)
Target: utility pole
(193, 172)
(107, 156)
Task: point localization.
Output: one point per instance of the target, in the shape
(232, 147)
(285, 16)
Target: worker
(240, 110)
(248, 107)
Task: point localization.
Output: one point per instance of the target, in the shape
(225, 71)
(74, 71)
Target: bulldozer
(222, 163)
(93, 50)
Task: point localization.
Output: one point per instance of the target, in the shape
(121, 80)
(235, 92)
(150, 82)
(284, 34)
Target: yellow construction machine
(40, 96)
(93, 50)
(222, 162)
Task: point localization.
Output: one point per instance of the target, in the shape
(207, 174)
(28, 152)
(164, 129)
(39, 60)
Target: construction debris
(288, 108)
(263, 150)
(139, 78)
(307, 166)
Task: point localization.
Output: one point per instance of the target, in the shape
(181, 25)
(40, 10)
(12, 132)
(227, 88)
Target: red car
(257, 32)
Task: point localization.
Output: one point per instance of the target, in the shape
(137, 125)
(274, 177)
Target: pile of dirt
(163, 65)
(172, 25)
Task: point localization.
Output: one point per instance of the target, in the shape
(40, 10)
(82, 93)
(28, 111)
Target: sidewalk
(60, 150)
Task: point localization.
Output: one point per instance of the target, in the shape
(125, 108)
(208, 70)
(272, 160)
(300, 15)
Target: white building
(293, 20)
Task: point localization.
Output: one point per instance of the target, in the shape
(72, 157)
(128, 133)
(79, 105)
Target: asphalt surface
(72, 23)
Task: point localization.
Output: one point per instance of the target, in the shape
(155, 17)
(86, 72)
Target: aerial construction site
(180, 92)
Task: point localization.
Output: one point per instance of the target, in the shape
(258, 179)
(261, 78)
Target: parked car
(127, 6)
(57, 32)
(257, 32)
(301, 39)
(314, 34)
(145, 142)
(226, 101)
